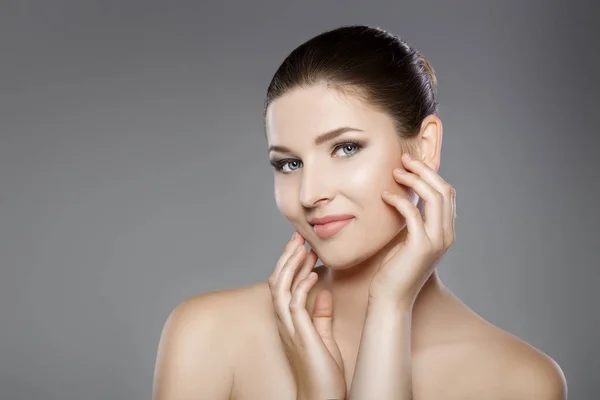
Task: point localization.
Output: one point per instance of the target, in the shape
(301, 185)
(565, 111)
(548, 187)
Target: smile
(331, 228)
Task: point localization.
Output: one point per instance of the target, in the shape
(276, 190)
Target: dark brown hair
(380, 68)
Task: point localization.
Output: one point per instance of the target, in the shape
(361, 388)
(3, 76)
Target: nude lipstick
(330, 225)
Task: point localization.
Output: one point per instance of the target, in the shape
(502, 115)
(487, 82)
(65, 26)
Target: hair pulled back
(378, 67)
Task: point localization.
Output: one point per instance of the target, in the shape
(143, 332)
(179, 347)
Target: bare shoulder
(471, 358)
(200, 341)
(502, 366)
(525, 371)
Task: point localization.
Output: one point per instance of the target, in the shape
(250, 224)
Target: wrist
(387, 304)
(381, 295)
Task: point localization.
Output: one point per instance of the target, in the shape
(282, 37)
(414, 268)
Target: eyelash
(279, 164)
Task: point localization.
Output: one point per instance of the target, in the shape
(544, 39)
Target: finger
(429, 175)
(294, 242)
(282, 293)
(411, 214)
(290, 269)
(322, 315)
(313, 332)
(434, 202)
(283, 325)
(307, 266)
(450, 219)
(322, 318)
(300, 317)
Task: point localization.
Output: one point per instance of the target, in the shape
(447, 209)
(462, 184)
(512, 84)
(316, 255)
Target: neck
(350, 288)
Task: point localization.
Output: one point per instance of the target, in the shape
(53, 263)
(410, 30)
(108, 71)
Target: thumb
(322, 317)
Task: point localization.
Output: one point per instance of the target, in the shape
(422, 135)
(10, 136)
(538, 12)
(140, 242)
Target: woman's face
(344, 174)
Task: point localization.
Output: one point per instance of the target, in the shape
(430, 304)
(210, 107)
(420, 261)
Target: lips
(329, 218)
(330, 225)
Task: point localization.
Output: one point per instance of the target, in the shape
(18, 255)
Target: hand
(309, 343)
(408, 266)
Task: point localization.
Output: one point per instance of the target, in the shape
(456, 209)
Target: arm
(383, 367)
(193, 360)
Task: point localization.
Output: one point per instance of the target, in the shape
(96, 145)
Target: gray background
(134, 173)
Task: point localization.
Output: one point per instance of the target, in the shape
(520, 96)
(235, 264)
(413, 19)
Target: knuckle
(301, 251)
(414, 211)
(279, 296)
(273, 288)
(440, 248)
(433, 246)
(295, 307)
(393, 198)
(449, 240)
(274, 298)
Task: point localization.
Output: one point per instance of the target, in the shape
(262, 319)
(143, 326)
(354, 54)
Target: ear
(429, 141)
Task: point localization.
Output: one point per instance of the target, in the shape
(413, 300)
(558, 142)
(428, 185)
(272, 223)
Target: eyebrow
(322, 138)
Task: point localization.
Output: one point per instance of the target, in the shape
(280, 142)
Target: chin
(350, 251)
(338, 262)
(341, 255)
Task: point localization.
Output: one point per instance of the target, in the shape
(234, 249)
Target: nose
(316, 187)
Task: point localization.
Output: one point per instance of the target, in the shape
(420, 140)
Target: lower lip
(331, 228)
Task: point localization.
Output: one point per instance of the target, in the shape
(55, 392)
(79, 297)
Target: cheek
(369, 182)
(375, 175)
(284, 198)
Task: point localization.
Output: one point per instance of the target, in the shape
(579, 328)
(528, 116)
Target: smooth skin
(308, 339)
(384, 354)
(375, 320)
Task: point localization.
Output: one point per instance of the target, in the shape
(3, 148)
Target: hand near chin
(408, 266)
(307, 339)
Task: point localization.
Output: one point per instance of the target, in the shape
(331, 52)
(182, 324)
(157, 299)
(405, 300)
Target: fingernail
(294, 235)
(398, 171)
(408, 156)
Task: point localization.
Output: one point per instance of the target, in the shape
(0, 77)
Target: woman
(354, 140)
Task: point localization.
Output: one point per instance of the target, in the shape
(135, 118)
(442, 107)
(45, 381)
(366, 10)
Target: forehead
(305, 112)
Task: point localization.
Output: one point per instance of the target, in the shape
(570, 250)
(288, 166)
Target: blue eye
(345, 146)
(349, 149)
(290, 163)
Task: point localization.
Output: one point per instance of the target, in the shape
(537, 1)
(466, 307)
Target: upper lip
(329, 218)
